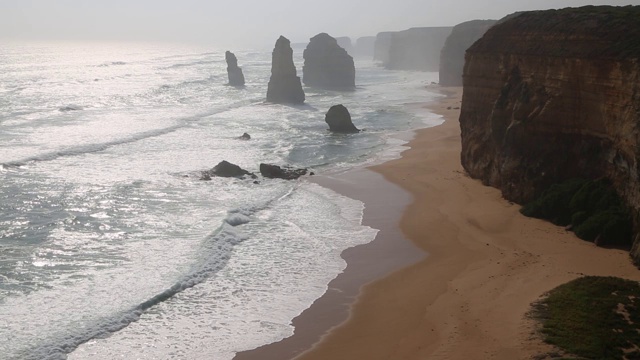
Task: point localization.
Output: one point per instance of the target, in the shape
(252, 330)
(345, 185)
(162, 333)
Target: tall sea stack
(555, 95)
(236, 78)
(284, 85)
(327, 65)
(452, 55)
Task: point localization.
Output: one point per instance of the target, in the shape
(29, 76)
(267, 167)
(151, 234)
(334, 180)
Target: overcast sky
(245, 23)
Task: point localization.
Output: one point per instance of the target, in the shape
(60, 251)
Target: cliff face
(365, 47)
(414, 49)
(327, 65)
(382, 46)
(284, 85)
(553, 95)
(452, 55)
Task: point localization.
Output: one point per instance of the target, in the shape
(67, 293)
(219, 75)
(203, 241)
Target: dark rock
(277, 172)
(327, 65)
(382, 46)
(236, 78)
(226, 169)
(284, 85)
(245, 136)
(452, 55)
(339, 120)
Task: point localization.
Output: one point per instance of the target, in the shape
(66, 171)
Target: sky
(245, 23)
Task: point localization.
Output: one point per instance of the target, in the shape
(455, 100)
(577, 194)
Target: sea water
(110, 244)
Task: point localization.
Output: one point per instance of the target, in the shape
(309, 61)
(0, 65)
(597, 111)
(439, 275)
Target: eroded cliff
(415, 49)
(452, 55)
(554, 95)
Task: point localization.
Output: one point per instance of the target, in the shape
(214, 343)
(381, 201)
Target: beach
(485, 263)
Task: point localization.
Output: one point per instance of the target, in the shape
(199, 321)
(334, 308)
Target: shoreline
(469, 298)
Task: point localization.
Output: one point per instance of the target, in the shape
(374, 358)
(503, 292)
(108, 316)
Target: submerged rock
(284, 85)
(245, 136)
(277, 172)
(339, 120)
(327, 65)
(226, 169)
(236, 77)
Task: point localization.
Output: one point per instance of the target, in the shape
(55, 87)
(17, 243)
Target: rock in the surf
(226, 169)
(339, 120)
(277, 172)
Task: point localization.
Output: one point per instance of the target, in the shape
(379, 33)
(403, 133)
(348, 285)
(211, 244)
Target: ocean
(110, 244)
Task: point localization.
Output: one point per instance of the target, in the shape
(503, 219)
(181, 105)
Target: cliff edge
(554, 95)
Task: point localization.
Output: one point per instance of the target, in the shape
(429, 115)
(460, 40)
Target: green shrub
(583, 317)
(592, 206)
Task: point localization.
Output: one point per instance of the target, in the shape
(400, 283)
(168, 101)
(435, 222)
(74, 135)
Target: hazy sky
(244, 23)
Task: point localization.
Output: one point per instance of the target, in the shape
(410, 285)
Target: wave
(93, 148)
(194, 63)
(215, 253)
(112, 63)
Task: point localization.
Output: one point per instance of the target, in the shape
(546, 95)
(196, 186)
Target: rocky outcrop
(327, 65)
(236, 78)
(339, 120)
(284, 86)
(413, 49)
(452, 55)
(226, 169)
(554, 95)
(277, 172)
(365, 47)
(245, 136)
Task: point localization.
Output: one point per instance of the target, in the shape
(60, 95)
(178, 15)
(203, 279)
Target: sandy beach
(486, 263)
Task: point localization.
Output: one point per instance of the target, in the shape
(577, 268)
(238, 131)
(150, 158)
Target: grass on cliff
(593, 317)
(592, 208)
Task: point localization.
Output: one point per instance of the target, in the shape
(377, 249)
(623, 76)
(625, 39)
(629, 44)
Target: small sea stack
(327, 65)
(284, 85)
(339, 120)
(236, 77)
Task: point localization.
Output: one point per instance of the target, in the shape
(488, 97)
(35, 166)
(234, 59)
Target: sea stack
(284, 85)
(327, 65)
(236, 78)
(339, 120)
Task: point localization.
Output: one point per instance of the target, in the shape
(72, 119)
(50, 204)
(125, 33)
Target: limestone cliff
(382, 46)
(413, 49)
(284, 85)
(553, 95)
(236, 77)
(452, 55)
(327, 65)
(365, 47)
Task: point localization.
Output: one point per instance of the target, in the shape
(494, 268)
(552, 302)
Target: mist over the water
(251, 23)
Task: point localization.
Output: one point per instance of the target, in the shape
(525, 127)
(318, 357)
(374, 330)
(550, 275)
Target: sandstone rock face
(327, 65)
(413, 49)
(236, 78)
(452, 55)
(339, 120)
(553, 95)
(284, 86)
